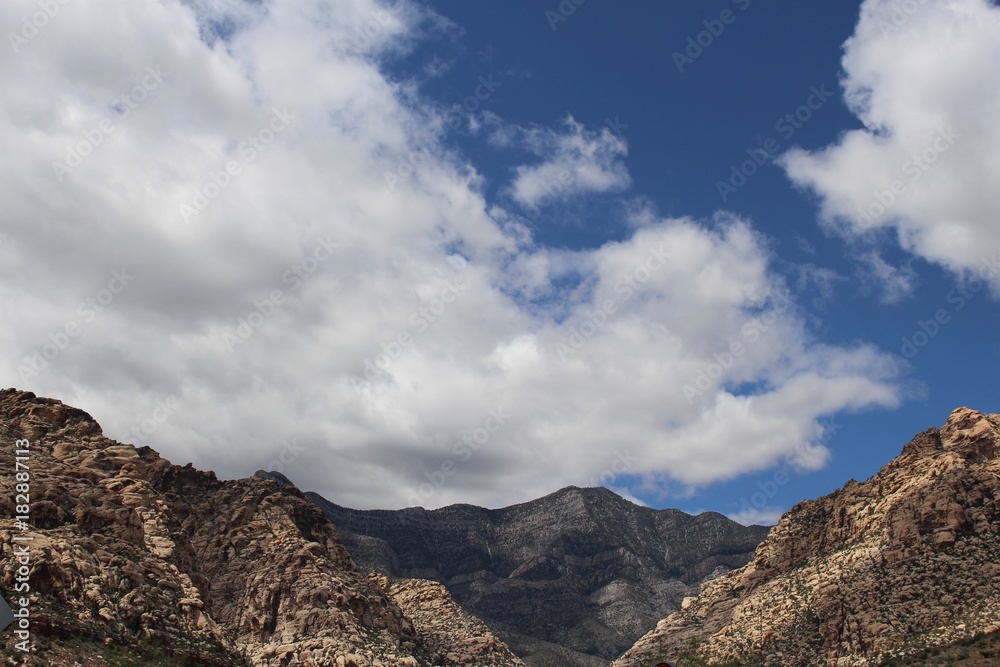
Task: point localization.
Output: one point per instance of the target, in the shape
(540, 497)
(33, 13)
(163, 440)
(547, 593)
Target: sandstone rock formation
(138, 561)
(876, 572)
(569, 580)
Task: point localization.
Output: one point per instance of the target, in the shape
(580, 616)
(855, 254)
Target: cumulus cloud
(922, 77)
(574, 161)
(223, 272)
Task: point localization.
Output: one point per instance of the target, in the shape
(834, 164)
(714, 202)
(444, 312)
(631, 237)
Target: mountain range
(134, 560)
(570, 579)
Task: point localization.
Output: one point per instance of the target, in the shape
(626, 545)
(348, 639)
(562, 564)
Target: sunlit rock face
(133, 555)
(907, 560)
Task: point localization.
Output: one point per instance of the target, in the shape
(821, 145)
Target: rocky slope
(882, 572)
(569, 580)
(973, 651)
(134, 560)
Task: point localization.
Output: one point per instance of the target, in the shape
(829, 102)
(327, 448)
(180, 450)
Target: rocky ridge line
(877, 571)
(134, 555)
(568, 580)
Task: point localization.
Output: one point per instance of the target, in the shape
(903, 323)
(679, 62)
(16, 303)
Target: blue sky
(348, 267)
(687, 121)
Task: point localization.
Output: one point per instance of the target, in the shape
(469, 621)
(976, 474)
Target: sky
(722, 255)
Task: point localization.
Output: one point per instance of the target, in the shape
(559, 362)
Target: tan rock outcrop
(134, 553)
(886, 568)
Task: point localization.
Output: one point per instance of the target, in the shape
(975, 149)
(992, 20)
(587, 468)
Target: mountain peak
(583, 492)
(38, 416)
(579, 573)
(274, 476)
(972, 434)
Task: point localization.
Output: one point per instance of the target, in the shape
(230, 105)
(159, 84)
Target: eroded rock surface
(569, 580)
(134, 555)
(908, 560)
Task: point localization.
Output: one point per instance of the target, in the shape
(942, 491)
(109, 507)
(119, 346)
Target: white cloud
(764, 516)
(923, 78)
(891, 283)
(575, 161)
(500, 368)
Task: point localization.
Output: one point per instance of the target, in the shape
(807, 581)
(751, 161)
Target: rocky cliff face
(571, 579)
(134, 560)
(876, 572)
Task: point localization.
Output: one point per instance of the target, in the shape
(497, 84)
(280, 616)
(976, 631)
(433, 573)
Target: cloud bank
(921, 76)
(202, 249)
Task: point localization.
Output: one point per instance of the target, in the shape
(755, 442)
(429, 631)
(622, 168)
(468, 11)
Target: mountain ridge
(878, 571)
(135, 558)
(579, 573)
(134, 554)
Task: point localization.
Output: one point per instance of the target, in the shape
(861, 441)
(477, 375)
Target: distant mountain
(568, 580)
(133, 560)
(903, 569)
